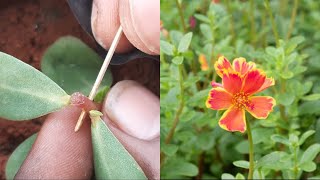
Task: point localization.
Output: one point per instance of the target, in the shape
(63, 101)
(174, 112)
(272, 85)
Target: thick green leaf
(25, 92)
(308, 166)
(286, 74)
(227, 176)
(101, 94)
(177, 60)
(311, 97)
(206, 31)
(73, 65)
(240, 176)
(202, 18)
(185, 42)
(18, 156)
(111, 159)
(305, 136)
(179, 167)
(314, 177)
(169, 149)
(241, 164)
(286, 99)
(310, 107)
(242, 147)
(310, 153)
(280, 139)
(276, 160)
(166, 47)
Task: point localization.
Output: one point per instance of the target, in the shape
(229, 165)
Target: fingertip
(134, 109)
(58, 151)
(141, 24)
(105, 23)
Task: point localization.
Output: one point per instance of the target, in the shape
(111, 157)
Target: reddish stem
(79, 100)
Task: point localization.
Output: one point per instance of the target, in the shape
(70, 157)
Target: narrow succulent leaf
(18, 156)
(25, 92)
(73, 65)
(111, 159)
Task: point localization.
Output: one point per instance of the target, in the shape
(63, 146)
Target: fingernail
(148, 28)
(134, 109)
(94, 23)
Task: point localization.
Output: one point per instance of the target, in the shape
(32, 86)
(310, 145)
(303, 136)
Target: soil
(27, 28)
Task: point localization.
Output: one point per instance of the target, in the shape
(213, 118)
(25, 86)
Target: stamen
(241, 100)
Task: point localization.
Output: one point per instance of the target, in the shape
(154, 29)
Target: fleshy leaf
(18, 156)
(241, 164)
(101, 94)
(73, 65)
(25, 92)
(111, 159)
(310, 153)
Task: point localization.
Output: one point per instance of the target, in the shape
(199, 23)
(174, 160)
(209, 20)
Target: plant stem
(251, 151)
(200, 166)
(274, 27)
(181, 106)
(282, 107)
(178, 113)
(181, 16)
(263, 24)
(252, 23)
(295, 169)
(232, 31)
(283, 6)
(293, 18)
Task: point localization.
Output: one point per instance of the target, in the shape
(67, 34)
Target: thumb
(133, 115)
(140, 20)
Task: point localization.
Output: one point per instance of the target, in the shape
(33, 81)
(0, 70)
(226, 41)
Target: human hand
(131, 112)
(140, 20)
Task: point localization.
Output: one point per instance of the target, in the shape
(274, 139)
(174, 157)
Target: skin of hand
(140, 20)
(131, 112)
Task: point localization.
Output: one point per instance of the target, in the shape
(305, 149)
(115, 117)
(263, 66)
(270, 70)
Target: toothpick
(100, 76)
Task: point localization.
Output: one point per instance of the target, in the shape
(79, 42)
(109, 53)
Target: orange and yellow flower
(203, 62)
(240, 81)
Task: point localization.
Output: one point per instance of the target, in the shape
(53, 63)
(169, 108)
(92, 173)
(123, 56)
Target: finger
(105, 23)
(59, 152)
(133, 115)
(134, 109)
(140, 20)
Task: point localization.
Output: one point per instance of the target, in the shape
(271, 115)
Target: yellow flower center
(240, 100)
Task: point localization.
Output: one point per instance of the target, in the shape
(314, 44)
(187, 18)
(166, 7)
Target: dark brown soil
(27, 28)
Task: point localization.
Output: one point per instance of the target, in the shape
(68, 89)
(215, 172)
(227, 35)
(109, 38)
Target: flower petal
(203, 62)
(215, 84)
(232, 82)
(267, 83)
(253, 81)
(241, 66)
(233, 120)
(219, 99)
(261, 106)
(222, 66)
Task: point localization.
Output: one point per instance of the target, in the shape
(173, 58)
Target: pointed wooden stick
(100, 76)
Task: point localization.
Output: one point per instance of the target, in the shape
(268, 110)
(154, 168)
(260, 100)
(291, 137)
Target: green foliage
(18, 156)
(286, 143)
(101, 94)
(111, 159)
(73, 65)
(25, 92)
